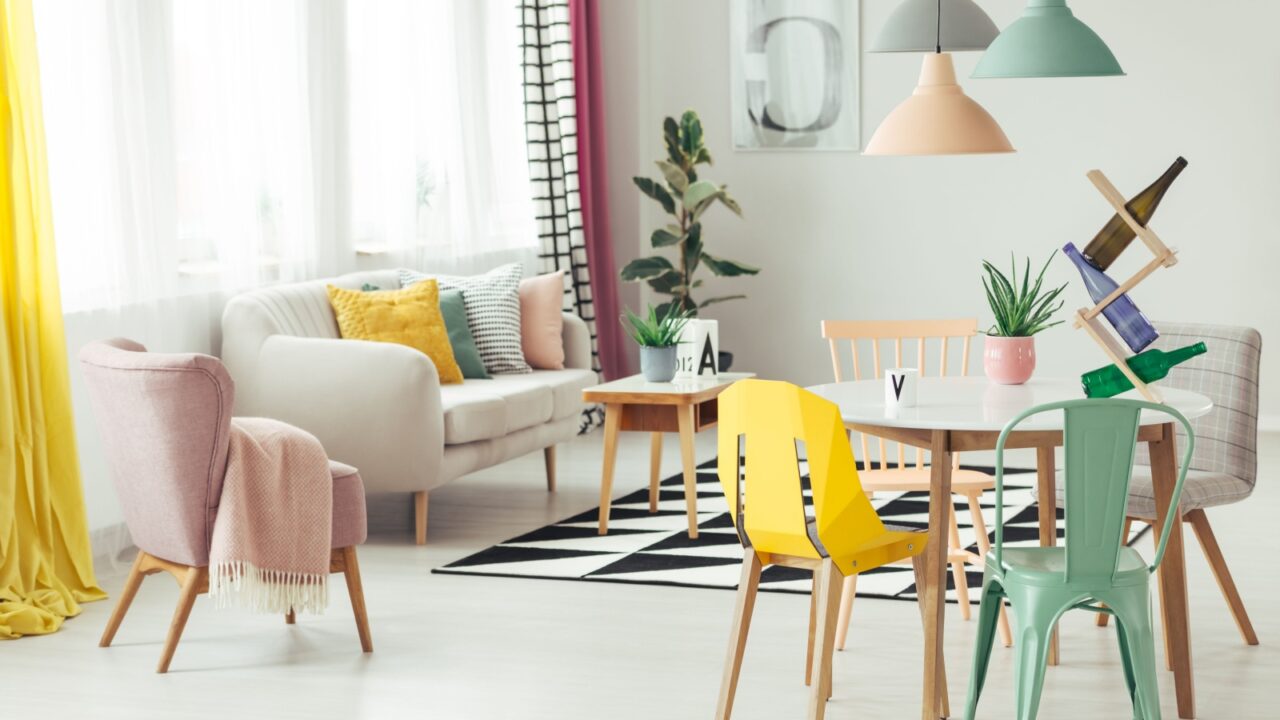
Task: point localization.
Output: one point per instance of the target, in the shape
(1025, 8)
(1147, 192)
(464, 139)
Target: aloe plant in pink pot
(1021, 310)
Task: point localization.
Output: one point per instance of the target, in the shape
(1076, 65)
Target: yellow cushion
(409, 317)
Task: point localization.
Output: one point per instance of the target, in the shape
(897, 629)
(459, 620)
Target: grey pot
(658, 363)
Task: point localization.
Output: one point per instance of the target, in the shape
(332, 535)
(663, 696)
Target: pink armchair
(165, 421)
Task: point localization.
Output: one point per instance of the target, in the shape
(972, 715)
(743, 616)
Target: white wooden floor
(470, 647)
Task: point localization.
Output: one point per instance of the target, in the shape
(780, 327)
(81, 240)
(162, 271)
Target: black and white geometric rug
(655, 549)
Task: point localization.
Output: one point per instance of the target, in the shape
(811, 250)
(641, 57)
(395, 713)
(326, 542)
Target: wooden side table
(681, 406)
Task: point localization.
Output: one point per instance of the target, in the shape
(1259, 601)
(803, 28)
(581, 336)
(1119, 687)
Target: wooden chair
(769, 421)
(165, 420)
(944, 335)
(1224, 468)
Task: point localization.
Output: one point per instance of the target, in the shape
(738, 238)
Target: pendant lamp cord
(939, 48)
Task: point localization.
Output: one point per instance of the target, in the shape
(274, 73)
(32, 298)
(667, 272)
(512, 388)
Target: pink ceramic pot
(1009, 360)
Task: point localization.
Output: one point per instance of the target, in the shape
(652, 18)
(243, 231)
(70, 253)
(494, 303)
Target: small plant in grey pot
(657, 337)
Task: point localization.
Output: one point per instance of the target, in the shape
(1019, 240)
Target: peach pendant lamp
(938, 118)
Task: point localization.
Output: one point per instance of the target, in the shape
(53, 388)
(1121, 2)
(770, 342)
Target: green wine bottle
(1107, 245)
(1149, 366)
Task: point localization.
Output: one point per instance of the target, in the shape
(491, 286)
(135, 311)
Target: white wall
(840, 235)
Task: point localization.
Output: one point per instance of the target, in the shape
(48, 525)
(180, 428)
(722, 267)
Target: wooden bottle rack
(1088, 318)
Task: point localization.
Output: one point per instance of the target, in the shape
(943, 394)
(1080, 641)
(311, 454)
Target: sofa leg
(549, 457)
(420, 516)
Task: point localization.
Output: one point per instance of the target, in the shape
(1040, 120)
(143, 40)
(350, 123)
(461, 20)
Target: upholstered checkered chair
(1225, 465)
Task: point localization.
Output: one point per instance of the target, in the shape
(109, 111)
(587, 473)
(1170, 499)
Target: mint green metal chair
(1093, 567)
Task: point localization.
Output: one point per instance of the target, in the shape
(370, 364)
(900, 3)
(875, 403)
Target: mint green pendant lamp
(1047, 41)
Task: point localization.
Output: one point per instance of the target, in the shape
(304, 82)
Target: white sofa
(380, 406)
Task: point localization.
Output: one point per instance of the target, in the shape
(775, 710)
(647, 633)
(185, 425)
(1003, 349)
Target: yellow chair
(769, 421)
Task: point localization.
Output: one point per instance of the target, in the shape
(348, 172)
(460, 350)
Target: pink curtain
(584, 22)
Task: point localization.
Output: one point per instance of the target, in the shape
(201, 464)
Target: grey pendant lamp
(916, 26)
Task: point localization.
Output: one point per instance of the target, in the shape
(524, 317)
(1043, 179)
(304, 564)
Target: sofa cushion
(488, 409)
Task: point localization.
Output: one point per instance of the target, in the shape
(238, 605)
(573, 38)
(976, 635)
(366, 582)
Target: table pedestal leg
(684, 417)
(1173, 573)
(1047, 487)
(612, 421)
(933, 593)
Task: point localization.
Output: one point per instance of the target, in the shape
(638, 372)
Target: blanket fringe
(242, 584)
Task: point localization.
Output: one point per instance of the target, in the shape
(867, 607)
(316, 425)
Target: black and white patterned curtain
(551, 131)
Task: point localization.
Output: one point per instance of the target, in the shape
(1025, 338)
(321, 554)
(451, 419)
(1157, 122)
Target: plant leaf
(671, 136)
(721, 299)
(676, 177)
(693, 248)
(730, 202)
(727, 268)
(668, 283)
(645, 268)
(698, 193)
(703, 156)
(690, 134)
(662, 238)
(657, 192)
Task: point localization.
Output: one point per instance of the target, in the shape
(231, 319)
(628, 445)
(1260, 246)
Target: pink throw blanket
(270, 546)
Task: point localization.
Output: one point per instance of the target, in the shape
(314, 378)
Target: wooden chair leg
(820, 680)
(192, 582)
(813, 625)
(746, 602)
(420, 517)
(984, 547)
(1213, 553)
(549, 459)
(847, 595)
(131, 586)
(351, 571)
(290, 618)
(1105, 618)
(958, 570)
(655, 470)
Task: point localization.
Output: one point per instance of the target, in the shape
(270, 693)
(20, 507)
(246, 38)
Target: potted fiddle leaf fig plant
(657, 335)
(685, 197)
(1021, 311)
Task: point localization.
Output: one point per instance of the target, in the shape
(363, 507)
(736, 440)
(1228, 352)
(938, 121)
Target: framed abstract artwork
(794, 74)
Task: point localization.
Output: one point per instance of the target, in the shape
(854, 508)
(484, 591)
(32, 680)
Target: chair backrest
(1099, 438)
(164, 420)
(1226, 438)
(761, 424)
(922, 338)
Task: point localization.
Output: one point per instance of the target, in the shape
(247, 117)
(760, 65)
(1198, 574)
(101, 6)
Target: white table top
(636, 384)
(976, 403)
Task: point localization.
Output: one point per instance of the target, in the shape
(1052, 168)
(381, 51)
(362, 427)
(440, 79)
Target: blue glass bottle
(1123, 315)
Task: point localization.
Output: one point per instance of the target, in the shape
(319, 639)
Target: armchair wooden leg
(549, 459)
(351, 571)
(290, 618)
(420, 517)
(193, 582)
(131, 586)
(1209, 543)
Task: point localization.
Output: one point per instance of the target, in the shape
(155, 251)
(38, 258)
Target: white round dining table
(960, 414)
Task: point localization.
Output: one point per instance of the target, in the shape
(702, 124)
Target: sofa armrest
(372, 405)
(577, 343)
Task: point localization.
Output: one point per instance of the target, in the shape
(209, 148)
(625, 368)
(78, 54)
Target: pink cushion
(350, 523)
(541, 322)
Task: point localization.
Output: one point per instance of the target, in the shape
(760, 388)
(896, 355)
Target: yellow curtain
(46, 565)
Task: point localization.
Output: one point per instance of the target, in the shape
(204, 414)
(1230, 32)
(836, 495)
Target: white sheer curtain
(438, 167)
(201, 147)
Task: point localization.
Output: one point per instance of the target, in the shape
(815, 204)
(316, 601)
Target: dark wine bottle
(1123, 314)
(1107, 245)
(1149, 366)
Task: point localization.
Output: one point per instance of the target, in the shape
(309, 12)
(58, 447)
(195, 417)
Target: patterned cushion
(1201, 490)
(493, 312)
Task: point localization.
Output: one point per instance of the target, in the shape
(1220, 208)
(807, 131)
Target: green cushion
(464, 345)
